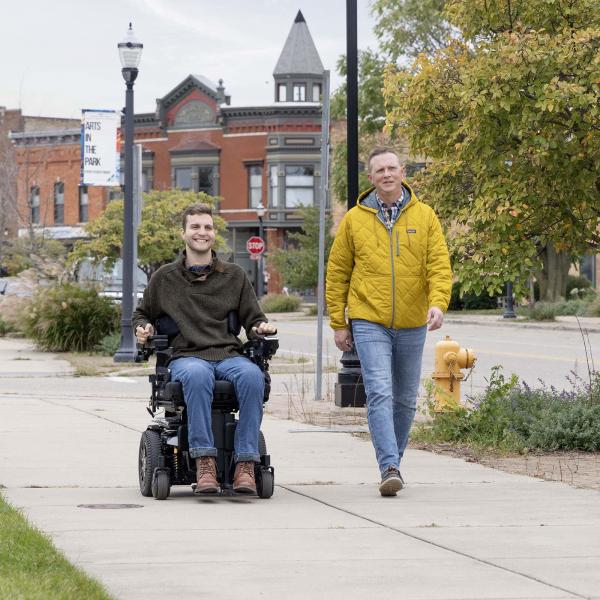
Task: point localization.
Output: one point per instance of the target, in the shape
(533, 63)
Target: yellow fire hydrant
(449, 359)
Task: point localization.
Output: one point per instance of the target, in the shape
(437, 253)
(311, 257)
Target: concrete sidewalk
(68, 458)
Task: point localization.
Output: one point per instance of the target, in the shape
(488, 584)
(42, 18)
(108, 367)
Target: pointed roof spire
(299, 54)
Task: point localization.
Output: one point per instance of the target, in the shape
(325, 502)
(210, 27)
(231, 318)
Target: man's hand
(143, 333)
(264, 329)
(343, 339)
(435, 318)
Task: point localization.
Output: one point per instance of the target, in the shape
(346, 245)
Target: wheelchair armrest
(153, 343)
(262, 347)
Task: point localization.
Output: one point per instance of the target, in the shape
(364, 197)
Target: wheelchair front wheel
(161, 487)
(265, 483)
(149, 455)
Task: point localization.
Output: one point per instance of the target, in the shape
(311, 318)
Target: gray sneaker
(391, 482)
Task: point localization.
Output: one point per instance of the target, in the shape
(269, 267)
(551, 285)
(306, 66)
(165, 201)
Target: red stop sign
(255, 245)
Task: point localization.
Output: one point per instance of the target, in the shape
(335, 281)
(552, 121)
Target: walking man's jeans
(390, 360)
(198, 379)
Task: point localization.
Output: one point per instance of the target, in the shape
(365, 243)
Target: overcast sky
(61, 56)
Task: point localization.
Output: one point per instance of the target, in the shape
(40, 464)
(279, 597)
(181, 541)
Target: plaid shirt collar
(390, 212)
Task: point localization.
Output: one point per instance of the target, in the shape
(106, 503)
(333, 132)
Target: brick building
(196, 140)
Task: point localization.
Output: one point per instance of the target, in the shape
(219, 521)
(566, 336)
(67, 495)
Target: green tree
(371, 66)
(404, 28)
(159, 239)
(407, 28)
(298, 264)
(510, 116)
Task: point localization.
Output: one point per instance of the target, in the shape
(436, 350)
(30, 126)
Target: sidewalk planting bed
(540, 432)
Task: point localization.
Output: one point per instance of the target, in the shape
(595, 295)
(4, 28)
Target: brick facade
(196, 140)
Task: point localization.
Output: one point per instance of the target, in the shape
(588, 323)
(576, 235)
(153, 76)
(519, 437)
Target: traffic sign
(255, 245)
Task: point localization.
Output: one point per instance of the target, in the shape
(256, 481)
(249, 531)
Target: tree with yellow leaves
(508, 111)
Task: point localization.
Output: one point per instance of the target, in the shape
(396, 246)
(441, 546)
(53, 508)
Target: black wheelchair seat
(224, 398)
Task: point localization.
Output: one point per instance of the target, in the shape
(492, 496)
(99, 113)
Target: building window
(299, 186)
(183, 178)
(59, 202)
(255, 185)
(196, 179)
(299, 91)
(146, 180)
(282, 92)
(316, 96)
(205, 180)
(83, 204)
(274, 185)
(34, 203)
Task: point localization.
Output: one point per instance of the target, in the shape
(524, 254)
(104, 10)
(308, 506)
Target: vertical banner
(99, 147)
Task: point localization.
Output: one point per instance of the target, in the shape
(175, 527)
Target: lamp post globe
(130, 53)
(260, 288)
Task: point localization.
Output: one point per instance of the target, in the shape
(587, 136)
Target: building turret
(299, 71)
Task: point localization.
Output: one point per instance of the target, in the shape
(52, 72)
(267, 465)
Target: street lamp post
(260, 288)
(130, 52)
(509, 309)
(349, 389)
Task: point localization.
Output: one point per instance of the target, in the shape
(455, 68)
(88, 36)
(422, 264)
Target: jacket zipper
(393, 277)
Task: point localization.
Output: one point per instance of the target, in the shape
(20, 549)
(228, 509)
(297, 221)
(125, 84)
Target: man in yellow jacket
(388, 276)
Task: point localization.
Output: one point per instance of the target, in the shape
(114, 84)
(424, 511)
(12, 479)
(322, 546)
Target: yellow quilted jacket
(391, 278)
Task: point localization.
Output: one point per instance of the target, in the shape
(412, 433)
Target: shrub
(4, 327)
(280, 303)
(579, 283)
(510, 416)
(470, 301)
(572, 307)
(593, 308)
(69, 317)
(109, 344)
(543, 311)
(455, 299)
(313, 310)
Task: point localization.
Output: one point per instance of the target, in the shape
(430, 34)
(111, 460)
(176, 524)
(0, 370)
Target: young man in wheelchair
(198, 291)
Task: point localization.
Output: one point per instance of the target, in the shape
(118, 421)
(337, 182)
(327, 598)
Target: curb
(552, 325)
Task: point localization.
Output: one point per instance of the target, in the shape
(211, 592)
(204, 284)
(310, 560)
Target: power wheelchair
(164, 458)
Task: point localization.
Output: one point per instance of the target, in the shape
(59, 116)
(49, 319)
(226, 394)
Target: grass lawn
(31, 568)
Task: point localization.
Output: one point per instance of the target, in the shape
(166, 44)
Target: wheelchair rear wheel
(148, 458)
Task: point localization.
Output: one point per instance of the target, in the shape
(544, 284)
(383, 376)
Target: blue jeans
(391, 368)
(198, 379)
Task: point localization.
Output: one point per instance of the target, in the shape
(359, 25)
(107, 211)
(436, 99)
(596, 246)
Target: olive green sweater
(199, 305)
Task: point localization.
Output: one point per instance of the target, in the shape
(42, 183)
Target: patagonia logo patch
(411, 231)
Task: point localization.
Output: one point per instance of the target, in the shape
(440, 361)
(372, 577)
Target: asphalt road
(532, 354)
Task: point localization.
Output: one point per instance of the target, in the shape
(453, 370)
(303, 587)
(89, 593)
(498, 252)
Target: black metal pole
(352, 101)
(260, 288)
(127, 349)
(509, 310)
(349, 389)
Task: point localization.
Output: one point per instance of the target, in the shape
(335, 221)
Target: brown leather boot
(206, 475)
(243, 480)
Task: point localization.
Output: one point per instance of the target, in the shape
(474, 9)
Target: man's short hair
(380, 150)
(195, 209)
